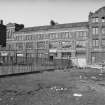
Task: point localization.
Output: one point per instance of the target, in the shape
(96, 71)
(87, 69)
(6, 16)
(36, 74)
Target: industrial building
(82, 42)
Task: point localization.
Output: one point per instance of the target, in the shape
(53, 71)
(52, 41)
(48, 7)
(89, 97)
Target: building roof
(10, 24)
(100, 9)
(57, 26)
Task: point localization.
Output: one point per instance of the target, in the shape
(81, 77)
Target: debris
(77, 94)
(58, 89)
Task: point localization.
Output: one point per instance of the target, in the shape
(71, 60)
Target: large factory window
(19, 46)
(95, 43)
(54, 44)
(66, 54)
(81, 34)
(95, 31)
(103, 43)
(95, 19)
(103, 30)
(29, 45)
(66, 44)
(41, 44)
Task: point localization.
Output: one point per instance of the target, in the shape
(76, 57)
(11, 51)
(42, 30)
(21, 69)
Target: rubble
(77, 95)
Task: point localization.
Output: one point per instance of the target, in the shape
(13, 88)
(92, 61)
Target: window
(29, 45)
(95, 31)
(70, 34)
(66, 44)
(66, 54)
(40, 36)
(28, 37)
(62, 35)
(81, 34)
(95, 43)
(95, 19)
(19, 46)
(41, 44)
(54, 44)
(103, 19)
(80, 44)
(9, 34)
(66, 34)
(103, 43)
(103, 30)
(51, 35)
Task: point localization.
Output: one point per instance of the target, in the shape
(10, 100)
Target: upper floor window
(41, 44)
(29, 45)
(95, 30)
(54, 44)
(103, 43)
(95, 19)
(81, 35)
(103, 19)
(103, 30)
(95, 43)
(66, 44)
(19, 46)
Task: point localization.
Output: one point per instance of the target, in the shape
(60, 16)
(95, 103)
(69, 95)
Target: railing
(30, 62)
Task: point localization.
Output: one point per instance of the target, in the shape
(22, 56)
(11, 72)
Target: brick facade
(81, 40)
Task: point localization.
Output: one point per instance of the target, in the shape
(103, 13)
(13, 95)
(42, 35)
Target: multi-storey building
(96, 40)
(61, 41)
(82, 42)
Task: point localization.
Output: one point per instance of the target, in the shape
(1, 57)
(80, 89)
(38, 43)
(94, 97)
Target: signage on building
(53, 50)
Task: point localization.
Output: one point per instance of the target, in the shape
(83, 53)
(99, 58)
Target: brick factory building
(82, 42)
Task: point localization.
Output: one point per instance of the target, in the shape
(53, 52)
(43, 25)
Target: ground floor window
(66, 54)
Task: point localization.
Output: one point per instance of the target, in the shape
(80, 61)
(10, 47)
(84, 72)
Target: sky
(40, 12)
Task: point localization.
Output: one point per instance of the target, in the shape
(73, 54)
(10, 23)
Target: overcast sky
(40, 12)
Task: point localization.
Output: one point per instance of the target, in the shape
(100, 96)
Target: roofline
(65, 25)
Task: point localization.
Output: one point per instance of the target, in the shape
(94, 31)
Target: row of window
(95, 43)
(20, 46)
(64, 44)
(60, 35)
(81, 34)
(96, 19)
(52, 44)
(9, 34)
(95, 30)
(30, 45)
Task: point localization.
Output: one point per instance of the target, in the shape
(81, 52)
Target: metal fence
(30, 62)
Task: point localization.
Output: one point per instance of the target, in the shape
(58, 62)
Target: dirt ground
(69, 87)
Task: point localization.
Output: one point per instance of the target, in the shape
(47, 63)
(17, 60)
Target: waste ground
(64, 87)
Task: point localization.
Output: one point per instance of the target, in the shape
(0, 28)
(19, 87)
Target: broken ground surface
(72, 87)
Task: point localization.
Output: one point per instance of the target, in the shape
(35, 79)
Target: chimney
(1, 22)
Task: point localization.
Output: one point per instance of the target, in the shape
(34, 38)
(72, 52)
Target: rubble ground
(60, 87)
